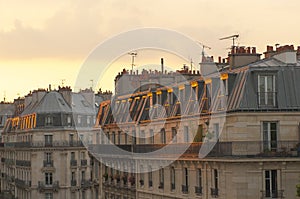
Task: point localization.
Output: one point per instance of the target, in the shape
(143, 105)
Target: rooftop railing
(40, 144)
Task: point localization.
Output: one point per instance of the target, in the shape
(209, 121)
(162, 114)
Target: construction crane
(233, 37)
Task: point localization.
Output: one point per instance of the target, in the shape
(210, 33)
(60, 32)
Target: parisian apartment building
(229, 130)
(239, 126)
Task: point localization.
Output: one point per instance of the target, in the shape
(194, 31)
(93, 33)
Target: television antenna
(133, 55)
(233, 37)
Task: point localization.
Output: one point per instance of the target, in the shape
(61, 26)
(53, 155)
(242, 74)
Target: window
(271, 184)
(161, 178)
(48, 120)
(151, 137)
(73, 178)
(82, 155)
(108, 137)
(269, 136)
(126, 137)
(266, 90)
(174, 134)
(79, 119)
(133, 137)
(199, 178)
(83, 194)
(48, 195)
(119, 137)
(199, 134)
(88, 120)
(170, 98)
(186, 134)
(163, 136)
(48, 179)
(185, 186)
(142, 137)
(150, 177)
(69, 120)
(216, 130)
(48, 140)
(71, 139)
(172, 175)
(72, 155)
(216, 179)
(113, 137)
(142, 175)
(48, 157)
(82, 175)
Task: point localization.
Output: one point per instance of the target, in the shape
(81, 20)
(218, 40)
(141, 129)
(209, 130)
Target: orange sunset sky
(45, 42)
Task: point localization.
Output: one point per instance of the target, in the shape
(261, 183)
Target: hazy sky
(43, 42)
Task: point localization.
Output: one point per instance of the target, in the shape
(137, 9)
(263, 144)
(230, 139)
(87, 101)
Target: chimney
(28, 99)
(89, 96)
(241, 56)
(286, 54)
(298, 53)
(37, 95)
(66, 93)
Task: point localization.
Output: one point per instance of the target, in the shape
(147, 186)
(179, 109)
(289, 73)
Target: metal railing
(83, 162)
(267, 99)
(184, 189)
(161, 185)
(73, 183)
(48, 163)
(214, 192)
(22, 183)
(86, 184)
(40, 144)
(42, 186)
(272, 194)
(73, 163)
(198, 190)
(23, 163)
(215, 149)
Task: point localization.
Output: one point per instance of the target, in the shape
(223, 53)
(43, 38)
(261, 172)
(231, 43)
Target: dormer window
(79, 119)
(48, 120)
(266, 90)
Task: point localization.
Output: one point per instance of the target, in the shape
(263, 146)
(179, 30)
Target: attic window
(48, 120)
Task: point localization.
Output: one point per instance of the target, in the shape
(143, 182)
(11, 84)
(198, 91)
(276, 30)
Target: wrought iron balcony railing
(48, 163)
(277, 194)
(22, 183)
(42, 186)
(41, 144)
(184, 189)
(73, 183)
(83, 162)
(86, 184)
(73, 163)
(214, 192)
(23, 163)
(214, 149)
(198, 190)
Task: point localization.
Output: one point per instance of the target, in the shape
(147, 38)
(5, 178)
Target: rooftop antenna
(233, 37)
(133, 55)
(4, 98)
(192, 64)
(203, 49)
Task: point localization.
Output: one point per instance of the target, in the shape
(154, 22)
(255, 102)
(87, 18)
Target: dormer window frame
(266, 90)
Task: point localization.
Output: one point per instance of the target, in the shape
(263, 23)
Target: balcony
(83, 163)
(214, 192)
(85, 184)
(42, 144)
(23, 163)
(215, 149)
(42, 187)
(22, 184)
(73, 163)
(272, 194)
(48, 163)
(161, 185)
(198, 191)
(185, 189)
(73, 183)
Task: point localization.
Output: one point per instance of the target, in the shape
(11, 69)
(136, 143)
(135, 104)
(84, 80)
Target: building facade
(238, 125)
(42, 153)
